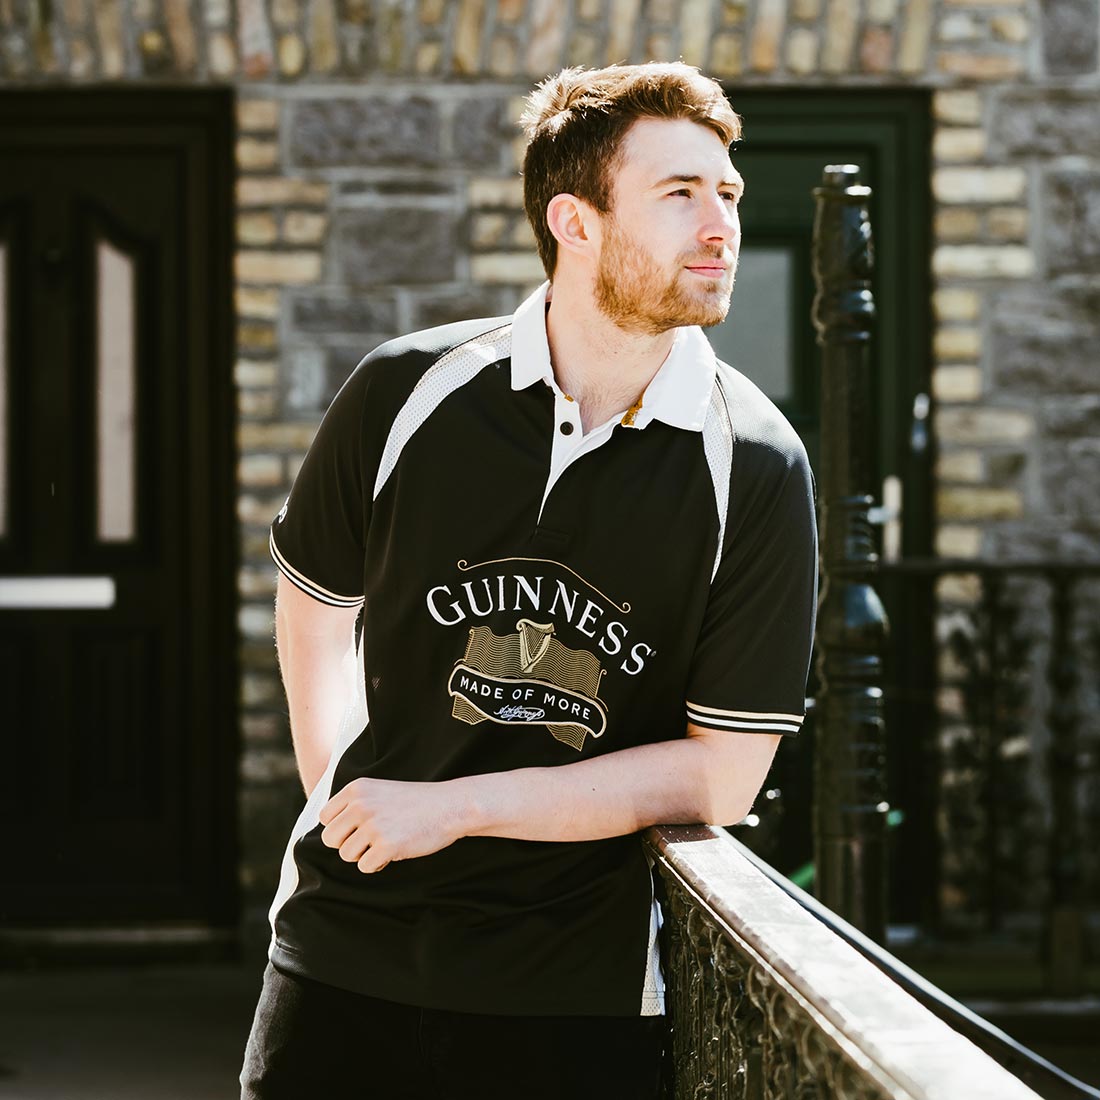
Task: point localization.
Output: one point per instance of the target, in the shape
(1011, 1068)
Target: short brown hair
(576, 121)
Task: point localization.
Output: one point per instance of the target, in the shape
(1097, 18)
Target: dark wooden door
(117, 743)
(790, 136)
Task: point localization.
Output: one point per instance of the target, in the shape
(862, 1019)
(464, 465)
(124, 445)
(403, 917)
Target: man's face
(670, 243)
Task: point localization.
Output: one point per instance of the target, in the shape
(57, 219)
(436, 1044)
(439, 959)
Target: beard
(634, 292)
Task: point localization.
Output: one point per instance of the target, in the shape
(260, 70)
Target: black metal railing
(981, 728)
(992, 713)
(1008, 717)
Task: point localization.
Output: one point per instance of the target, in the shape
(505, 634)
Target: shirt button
(566, 427)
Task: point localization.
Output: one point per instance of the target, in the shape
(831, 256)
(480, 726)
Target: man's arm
(317, 659)
(710, 776)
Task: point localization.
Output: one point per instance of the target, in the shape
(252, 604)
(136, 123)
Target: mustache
(719, 254)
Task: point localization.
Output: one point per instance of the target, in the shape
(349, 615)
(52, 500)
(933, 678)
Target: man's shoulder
(761, 434)
(385, 378)
(427, 346)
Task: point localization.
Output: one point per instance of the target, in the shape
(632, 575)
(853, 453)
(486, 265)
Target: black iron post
(849, 766)
(1065, 931)
(988, 734)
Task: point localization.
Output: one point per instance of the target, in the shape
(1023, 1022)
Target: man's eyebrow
(736, 182)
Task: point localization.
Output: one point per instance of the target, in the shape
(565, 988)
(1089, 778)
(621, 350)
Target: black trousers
(311, 1041)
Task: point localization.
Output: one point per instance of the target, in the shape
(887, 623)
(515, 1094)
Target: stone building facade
(378, 192)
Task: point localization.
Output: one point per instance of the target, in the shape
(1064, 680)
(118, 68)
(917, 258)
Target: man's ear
(574, 223)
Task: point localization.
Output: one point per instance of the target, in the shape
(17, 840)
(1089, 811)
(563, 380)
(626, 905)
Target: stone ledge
(1070, 33)
(979, 185)
(383, 246)
(960, 465)
(1046, 122)
(958, 541)
(280, 268)
(332, 132)
(277, 191)
(960, 108)
(507, 267)
(983, 261)
(256, 155)
(1072, 224)
(256, 303)
(978, 503)
(492, 191)
(984, 425)
(958, 144)
(957, 342)
(956, 304)
(956, 383)
(257, 115)
(975, 66)
(900, 1047)
(281, 436)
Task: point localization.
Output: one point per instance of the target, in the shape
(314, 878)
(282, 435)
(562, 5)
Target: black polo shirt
(534, 596)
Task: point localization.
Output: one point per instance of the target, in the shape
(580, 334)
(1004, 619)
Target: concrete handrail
(760, 987)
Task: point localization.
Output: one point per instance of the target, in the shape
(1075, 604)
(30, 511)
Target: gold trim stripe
(742, 725)
(311, 588)
(761, 714)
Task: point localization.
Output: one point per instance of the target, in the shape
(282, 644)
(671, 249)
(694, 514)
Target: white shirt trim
(678, 395)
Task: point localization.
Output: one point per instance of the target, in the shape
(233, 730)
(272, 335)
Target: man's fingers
(330, 810)
(372, 860)
(337, 831)
(354, 848)
(335, 805)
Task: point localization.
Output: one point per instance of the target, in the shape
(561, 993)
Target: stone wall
(378, 192)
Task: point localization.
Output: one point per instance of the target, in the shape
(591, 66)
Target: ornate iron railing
(992, 706)
(1008, 720)
(765, 1001)
(1006, 694)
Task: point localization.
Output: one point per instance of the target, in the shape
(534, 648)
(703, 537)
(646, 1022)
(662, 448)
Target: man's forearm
(695, 779)
(708, 776)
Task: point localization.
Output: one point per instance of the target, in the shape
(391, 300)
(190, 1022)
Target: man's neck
(602, 367)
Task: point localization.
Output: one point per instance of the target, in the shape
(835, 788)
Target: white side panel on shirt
(718, 445)
(351, 725)
(459, 366)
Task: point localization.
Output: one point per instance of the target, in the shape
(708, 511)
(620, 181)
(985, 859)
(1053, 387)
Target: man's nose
(721, 223)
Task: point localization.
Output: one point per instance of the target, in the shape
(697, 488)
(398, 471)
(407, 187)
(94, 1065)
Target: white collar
(678, 395)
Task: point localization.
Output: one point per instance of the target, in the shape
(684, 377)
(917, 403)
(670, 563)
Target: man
(586, 560)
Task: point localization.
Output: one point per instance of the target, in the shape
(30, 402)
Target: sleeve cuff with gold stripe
(745, 721)
(311, 588)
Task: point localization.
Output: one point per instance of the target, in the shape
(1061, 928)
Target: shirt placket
(570, 442)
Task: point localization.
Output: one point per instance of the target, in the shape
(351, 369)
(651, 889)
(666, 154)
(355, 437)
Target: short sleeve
(752, 658)
(318, 538)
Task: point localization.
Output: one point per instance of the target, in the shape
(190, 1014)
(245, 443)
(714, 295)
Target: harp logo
(529, 678)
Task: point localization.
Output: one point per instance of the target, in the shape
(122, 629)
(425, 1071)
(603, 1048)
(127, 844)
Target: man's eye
(681, 191)
(729, 195)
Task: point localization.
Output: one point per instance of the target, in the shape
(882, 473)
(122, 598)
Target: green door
(789, 137)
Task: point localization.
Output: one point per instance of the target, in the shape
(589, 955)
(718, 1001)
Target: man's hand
(375, 821)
